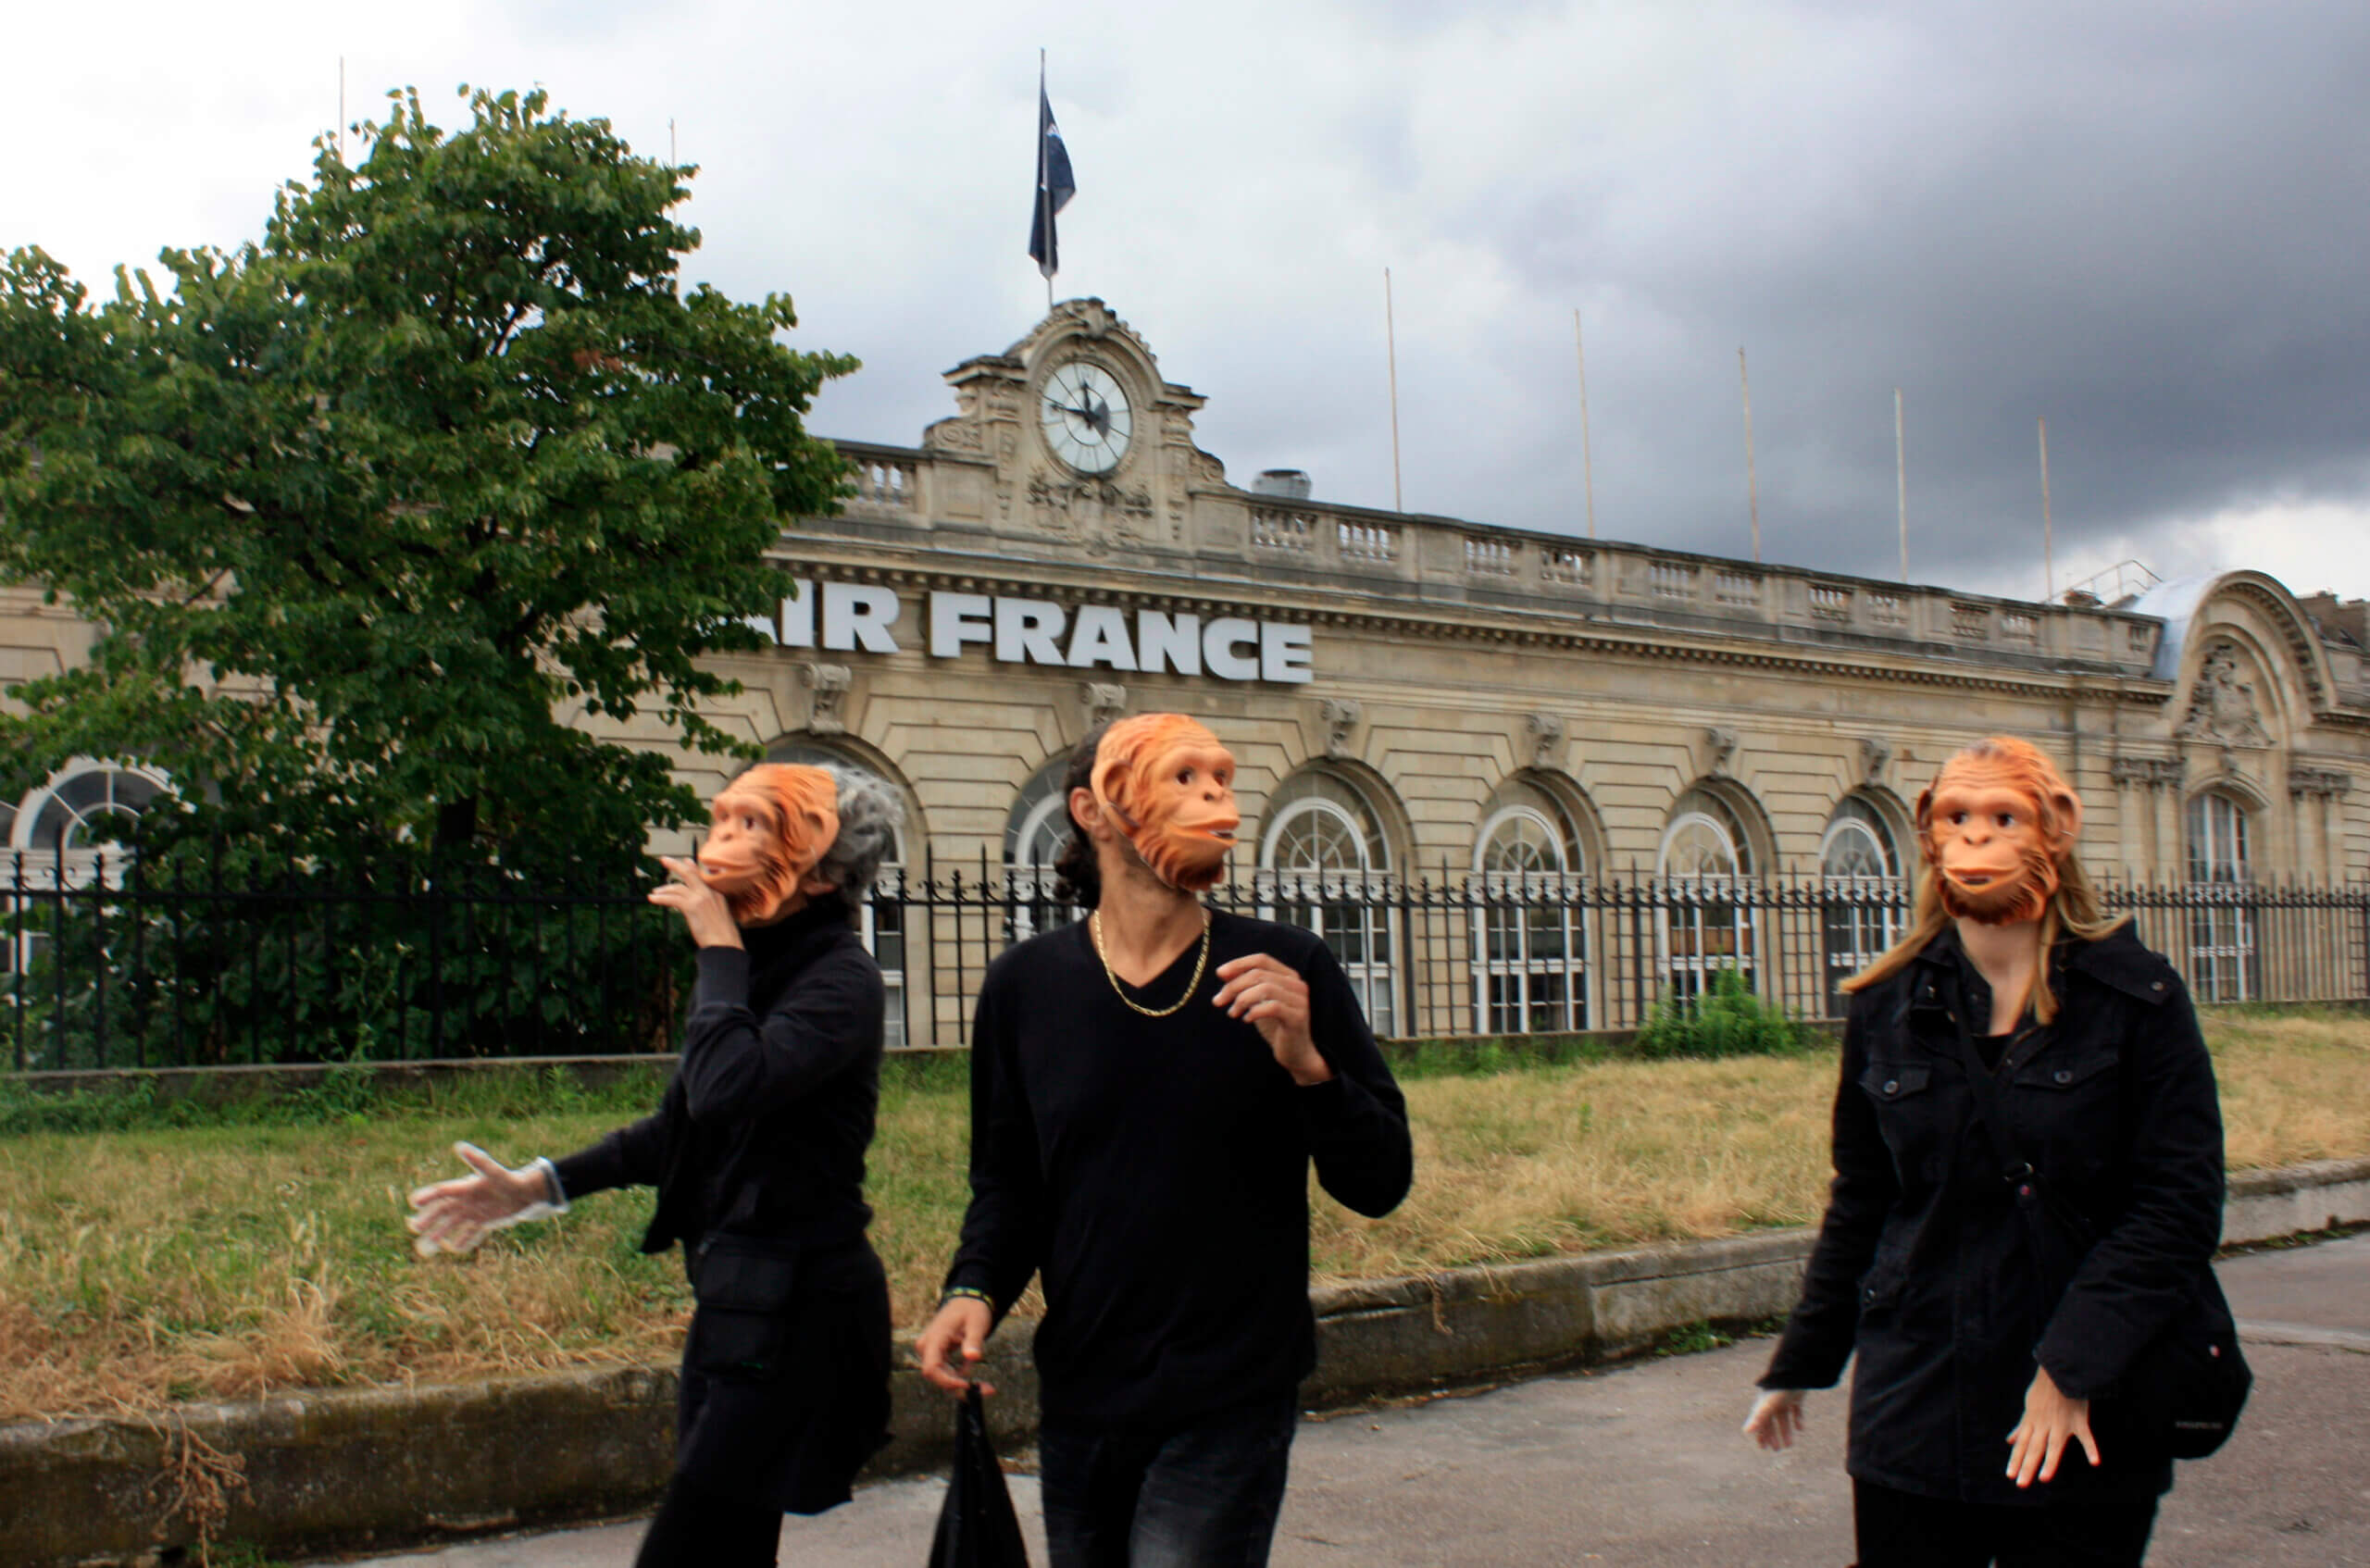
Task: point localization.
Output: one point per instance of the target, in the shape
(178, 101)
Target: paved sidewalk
(1643, 1465)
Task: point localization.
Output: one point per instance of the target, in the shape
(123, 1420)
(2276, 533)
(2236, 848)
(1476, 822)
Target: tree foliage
(369, 511)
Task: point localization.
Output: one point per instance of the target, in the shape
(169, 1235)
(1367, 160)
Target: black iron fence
(104, 966)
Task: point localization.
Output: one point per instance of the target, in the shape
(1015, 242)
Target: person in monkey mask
(1149, 1089)
(1999, 1283)
(759, 1155)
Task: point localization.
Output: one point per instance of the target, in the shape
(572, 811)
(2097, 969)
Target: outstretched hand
(453, 1216)
(1270, 994)
(1776, 1419)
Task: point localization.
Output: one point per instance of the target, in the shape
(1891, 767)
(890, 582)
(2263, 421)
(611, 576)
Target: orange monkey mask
(1998, 826)
(1169, 786)
(769, 830)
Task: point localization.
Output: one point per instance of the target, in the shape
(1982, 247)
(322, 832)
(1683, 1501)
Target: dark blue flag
(1054, 187)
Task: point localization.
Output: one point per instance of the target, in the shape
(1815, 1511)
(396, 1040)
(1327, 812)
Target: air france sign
(848, 617)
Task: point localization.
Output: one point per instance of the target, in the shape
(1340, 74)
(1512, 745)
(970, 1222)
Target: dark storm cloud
(2149, 227)
(2147, 222)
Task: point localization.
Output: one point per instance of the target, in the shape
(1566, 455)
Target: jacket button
(1892, 1086)
(2156, 985)
(2063, 1077)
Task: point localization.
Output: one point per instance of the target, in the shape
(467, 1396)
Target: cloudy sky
(2149, 223)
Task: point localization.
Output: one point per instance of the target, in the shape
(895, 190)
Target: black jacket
(1925, 1265)
(1156, 1172)
(764, 1129)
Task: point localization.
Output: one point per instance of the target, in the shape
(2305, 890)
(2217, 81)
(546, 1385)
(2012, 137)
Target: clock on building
(1085, 416)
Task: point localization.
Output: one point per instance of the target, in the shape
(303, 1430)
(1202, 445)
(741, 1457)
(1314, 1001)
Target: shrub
(1724, 1019)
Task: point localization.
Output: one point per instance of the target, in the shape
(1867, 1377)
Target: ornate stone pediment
(1142, 501)
(2221, 707)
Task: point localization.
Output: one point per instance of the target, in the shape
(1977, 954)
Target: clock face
(1085, 415)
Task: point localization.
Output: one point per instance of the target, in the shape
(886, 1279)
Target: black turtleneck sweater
(1156, 1171)
(764, 1129)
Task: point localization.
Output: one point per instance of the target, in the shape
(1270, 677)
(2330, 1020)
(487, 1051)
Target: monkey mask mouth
(1168, 785)
(769, 830)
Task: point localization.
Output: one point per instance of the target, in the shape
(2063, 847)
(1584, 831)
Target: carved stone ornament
(1093, 510)
(1340, 716)
(2223, 706)
(2333, 783)
(828, 712)
(1546, 741)
(1875, 755)
(1103, 700)
(954, 435)
(1720, 747)
(2146, 772)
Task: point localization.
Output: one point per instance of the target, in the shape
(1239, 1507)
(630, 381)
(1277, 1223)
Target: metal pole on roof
(1390, 344)
(1752, 482)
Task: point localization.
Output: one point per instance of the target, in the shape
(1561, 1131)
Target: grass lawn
(142, 1262)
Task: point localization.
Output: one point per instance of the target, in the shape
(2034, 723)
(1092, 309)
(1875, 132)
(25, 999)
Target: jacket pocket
(1910, 1116)
(745, 1289)
(1889, 1083)
(2067, 1111)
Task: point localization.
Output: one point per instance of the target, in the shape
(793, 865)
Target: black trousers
(1902, 1530)
(1202, 1495)
(697, 1528)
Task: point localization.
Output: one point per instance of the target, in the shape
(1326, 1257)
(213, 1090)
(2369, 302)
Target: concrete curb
(342, 1470)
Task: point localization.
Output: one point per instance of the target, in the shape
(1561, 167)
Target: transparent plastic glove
(453, 1216)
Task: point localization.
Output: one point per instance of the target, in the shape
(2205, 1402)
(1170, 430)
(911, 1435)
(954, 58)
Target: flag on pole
(1054, 186)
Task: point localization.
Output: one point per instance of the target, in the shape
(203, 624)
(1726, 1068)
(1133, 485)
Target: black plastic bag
(977, 1527)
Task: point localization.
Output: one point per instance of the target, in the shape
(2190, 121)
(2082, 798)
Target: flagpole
(1752, 482)
(1390, 342)
(1901, 478)
(1587, 458)
(1044, 185)
(2048, 544)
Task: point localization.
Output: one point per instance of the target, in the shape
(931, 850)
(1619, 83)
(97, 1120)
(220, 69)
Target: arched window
(1530, 936)
(1322, 859)
(65, 833)
(1706, 926)
(882, 920)
(70, 813)
(1860, 894)
(1035, 832)
(2223, 964)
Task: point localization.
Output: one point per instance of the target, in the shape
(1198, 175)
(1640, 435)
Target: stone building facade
(1421, 696)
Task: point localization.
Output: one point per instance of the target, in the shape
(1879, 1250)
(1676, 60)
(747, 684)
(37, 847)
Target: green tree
(369, 512)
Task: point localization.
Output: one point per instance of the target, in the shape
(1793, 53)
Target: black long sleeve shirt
(1156, 1171)
(764, 1129)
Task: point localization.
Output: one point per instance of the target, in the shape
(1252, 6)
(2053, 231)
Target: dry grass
(137, 1268)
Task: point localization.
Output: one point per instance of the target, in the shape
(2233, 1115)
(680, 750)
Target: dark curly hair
(1077, 878)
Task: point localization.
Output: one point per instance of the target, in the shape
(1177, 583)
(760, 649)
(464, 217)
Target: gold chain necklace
(1094, 928)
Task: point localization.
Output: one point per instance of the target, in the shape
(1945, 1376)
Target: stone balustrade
(1417, 558)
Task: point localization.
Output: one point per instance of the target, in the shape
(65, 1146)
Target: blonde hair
(2072, 910)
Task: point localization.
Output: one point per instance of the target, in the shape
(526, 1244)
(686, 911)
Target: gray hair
(870, 815)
